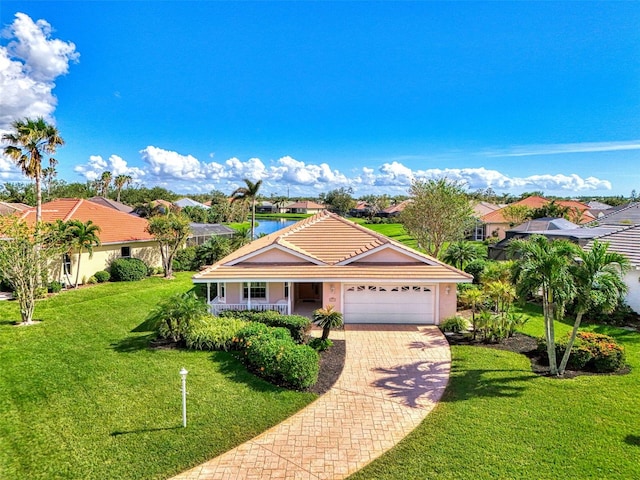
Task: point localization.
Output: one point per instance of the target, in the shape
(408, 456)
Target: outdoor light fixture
(332, 288)
(447, 290)
(183, 374)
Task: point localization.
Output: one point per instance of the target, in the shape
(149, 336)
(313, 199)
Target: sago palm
(327, 318)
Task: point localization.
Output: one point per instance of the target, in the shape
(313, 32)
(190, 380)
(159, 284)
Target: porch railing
(260, 307)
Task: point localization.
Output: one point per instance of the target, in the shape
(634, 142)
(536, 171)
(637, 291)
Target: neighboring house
(623, 215)
(326, 259)
(480, 209)
(495, 223)
(201, 232)
(362, 209)
(187, 202)
(626, 241)
(107, 202)
(598, 209)
(121, 235)
(306, 206)
(7, 208)
(265, 207)
(394, 210)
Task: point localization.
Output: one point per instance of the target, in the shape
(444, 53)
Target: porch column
(289, 297)
(248, 295)
(208, 293)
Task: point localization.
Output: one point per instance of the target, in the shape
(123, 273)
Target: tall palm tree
(28, 143)
(544, 267)
(104, 183)
(248, 194)
(49, 174)
(119, 182)
(85, 237)
(597, 276)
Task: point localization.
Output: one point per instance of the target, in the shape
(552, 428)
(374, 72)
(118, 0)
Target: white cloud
(562, 148)
(29, 65)
(166, 163)
(116, 165)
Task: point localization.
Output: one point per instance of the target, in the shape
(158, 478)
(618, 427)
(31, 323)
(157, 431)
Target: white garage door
(389, 304)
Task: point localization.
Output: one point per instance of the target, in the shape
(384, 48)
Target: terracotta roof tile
(115, 226)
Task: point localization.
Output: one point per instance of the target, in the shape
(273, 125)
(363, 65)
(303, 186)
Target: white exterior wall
(632, 279)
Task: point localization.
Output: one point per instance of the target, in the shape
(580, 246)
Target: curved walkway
(392, 378)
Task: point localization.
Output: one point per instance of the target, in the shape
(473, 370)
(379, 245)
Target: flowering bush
(591, 351)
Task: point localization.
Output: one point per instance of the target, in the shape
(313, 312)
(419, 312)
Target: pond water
(270, 226)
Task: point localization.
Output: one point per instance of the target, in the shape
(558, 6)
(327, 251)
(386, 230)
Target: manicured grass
(499, 420)
(81, 395)
(393, 230)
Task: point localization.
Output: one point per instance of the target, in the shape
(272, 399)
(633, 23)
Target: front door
(309, 292)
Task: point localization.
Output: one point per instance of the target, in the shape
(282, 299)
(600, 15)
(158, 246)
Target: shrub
(282, 361)
(92, 280)
(590, 351)
(128, 269)
(622, 315)
(475, 268)
(455, 324)
(184, 259)
(214, 333)
(320, 345)
(172, 318)
(297, 325)
(258, 330)
(54, 287)
(102, 276)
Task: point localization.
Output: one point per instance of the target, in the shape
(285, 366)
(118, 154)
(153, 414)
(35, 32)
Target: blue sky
(310, 96)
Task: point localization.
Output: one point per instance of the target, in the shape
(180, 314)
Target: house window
(286, 289)
(217, 290)
(258, 290)
(66, 264)
(125, 252)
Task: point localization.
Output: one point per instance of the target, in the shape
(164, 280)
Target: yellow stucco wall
(102, 258)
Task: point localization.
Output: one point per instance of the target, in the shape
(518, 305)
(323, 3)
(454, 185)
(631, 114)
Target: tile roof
(306, 204)
(107, 202)
(188, 202)
(626, 215)
(115, 226)
(397, 208)
(625, 241)
(497, 216)
(327, 239)
(7, 208)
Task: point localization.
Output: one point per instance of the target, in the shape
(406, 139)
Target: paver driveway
(392, 378)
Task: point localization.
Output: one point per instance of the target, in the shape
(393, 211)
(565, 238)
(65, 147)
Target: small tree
(461, 253)
(171, 231)
(25, 254)
(440, 212)
(327, 318)
(474, 298)
(84, 236)
(516, 214)
(339, 200)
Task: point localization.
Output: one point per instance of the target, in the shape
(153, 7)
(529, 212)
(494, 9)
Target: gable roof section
(115, 226)
(7, 208)
(497, 216)
(625, 241)
(306, 204)
(627, 215)
(107, 202)
(331, 244)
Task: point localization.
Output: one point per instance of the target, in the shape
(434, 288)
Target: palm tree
(104, 182)
(119, 182)
(248, 194)
(327, 318)
(460, 253)
(543, 266)
(49, 174)
(597, 276)
(27, 145)
(474, 298)
(85, 236)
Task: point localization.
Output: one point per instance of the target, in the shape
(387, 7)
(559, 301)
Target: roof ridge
(73, 210)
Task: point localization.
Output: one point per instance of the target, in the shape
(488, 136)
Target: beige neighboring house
(7, 208)
(326, 259)
(121, 235)
(305, 207)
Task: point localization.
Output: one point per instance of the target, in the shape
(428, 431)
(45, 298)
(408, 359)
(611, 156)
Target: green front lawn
(499, 420)
(81, 395)
(393, 230)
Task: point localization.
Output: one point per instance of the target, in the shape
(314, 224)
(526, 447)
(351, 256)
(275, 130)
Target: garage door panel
(389, 304)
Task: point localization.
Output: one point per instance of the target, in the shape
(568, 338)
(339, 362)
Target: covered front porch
(286, 298)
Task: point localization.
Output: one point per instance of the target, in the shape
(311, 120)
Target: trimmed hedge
(128, 270)
(273, 355)
(591, 351)
(213, 333)
(297, 325)
(102, 276)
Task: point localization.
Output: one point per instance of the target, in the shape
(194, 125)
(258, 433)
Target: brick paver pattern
(392, 378)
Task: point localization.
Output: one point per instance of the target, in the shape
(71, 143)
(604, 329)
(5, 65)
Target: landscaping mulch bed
(331, 365)
(525, 345)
